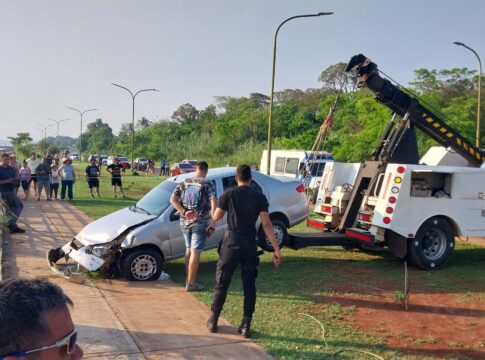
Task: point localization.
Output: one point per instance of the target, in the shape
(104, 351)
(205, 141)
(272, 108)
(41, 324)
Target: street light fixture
(270, 120)
(45, 130)
(477, 138)
(58, 122)
(133, 96)
(81, 113)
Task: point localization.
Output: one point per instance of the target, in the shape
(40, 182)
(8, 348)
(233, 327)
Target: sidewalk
(116, 318)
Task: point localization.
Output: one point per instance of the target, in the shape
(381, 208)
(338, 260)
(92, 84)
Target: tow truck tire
(280, 231)
(433, 244)
(142, 265)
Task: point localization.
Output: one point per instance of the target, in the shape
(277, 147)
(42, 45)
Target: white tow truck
(415, 208)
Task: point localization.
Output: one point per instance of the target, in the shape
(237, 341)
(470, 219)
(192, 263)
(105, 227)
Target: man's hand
(190, 214)
(277, 259)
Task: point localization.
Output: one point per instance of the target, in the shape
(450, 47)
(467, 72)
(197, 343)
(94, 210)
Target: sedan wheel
(280, 231)
(143, 265)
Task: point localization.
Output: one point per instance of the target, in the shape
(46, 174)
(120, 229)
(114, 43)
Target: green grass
(134, 186)
(303, 281)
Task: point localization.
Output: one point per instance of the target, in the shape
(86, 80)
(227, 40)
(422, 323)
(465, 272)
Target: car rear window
(185, 166)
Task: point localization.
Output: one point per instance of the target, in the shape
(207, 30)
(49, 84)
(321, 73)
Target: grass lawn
(287, 297)
(134, 186)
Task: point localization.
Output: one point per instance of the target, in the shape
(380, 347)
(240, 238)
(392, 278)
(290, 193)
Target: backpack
(193, 196)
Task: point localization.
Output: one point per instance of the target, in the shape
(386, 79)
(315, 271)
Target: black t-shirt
(243, 206)
(92, 171)
(6, 173)
(115, 170)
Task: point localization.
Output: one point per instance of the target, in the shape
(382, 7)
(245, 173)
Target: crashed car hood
(111, 226)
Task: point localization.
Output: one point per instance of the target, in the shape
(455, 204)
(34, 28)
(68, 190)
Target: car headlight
(101, 249)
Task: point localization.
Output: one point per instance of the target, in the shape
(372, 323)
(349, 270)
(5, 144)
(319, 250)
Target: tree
(185, 114)
(22, 144)
(336, 79)
(143, 123)
(98, 137)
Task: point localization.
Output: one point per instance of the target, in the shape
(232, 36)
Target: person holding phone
(243, 206)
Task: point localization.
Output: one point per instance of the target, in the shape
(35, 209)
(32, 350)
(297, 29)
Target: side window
(174, 215)
(256, 187)
(292, 166)
(228, 183)
(280, 164)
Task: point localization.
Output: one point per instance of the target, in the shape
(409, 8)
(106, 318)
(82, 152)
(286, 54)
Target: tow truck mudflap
(351, 238)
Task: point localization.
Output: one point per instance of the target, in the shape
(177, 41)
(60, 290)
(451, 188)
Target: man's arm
(268, 230)
(175, 201)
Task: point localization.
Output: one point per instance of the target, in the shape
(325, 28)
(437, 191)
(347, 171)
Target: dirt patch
(436, 325)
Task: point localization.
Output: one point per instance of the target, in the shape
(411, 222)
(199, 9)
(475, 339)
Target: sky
(58, 53)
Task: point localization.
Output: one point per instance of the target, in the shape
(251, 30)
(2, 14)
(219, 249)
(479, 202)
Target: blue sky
(57, 53)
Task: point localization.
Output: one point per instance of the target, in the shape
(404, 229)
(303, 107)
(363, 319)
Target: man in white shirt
(32, 163)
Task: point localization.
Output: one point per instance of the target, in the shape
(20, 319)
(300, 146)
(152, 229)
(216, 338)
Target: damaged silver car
(135, 241)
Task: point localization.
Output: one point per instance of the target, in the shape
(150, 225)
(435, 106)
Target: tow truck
(415, 209)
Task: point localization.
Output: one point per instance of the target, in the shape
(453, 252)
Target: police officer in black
(238, 246)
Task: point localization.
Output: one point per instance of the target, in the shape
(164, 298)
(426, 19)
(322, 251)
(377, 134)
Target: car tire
(142, 265)
(433, 244)
(311, 196)
(281, 233)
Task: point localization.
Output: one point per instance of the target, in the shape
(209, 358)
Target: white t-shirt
(32, 164)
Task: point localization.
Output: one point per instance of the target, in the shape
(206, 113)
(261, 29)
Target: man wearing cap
(68, 177)
(7, 194)
(43, 171)
(92, 175)
(115, 170)
(238, 246)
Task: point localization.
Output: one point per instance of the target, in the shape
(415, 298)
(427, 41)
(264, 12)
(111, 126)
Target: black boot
(245, 328)
(212, 322)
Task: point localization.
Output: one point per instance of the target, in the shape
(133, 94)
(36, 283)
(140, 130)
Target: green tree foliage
(22, 144)
(98, 137)
(234, 129)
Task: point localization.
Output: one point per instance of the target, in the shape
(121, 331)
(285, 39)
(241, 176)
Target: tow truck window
(291, 166)
(280, 164)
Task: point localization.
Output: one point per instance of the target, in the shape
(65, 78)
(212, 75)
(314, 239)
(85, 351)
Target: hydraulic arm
(412, 111)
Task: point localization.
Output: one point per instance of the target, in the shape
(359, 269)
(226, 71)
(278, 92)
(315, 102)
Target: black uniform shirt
(243, 206)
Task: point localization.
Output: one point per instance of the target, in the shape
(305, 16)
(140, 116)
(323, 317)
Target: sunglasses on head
(69, 342)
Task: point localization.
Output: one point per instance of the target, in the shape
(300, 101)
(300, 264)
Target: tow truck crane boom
(413, 112)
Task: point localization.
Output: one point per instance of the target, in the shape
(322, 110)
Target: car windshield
(185, 166)
(157, 200)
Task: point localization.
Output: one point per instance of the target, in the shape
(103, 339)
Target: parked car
(138, 239)
(103, 159)
(182, 168)
(141, 163)
(122, 159)
(74, 157)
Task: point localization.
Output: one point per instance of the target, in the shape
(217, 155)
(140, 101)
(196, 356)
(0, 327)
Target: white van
(300, 164)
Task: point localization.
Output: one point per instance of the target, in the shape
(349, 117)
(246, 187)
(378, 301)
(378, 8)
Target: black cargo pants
(236, 249)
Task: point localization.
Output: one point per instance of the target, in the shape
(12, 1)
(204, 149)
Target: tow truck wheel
(280, 232)
(433, 244)
(142, 265)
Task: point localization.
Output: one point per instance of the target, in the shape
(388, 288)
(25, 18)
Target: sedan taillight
(300, 188)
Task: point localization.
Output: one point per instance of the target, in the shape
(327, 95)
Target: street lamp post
(270, 120)
(133, 96)
(58, 122)
(45, 130)
(477, 139)
(81, 113)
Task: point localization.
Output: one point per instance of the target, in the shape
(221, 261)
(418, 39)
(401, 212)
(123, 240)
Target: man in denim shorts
(194, 198)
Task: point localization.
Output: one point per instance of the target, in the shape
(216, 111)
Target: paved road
(118, 319)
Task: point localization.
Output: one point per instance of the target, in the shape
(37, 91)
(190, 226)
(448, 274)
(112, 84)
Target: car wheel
(311, 196)
(281, 234)
(142, 265)
(433, 244)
